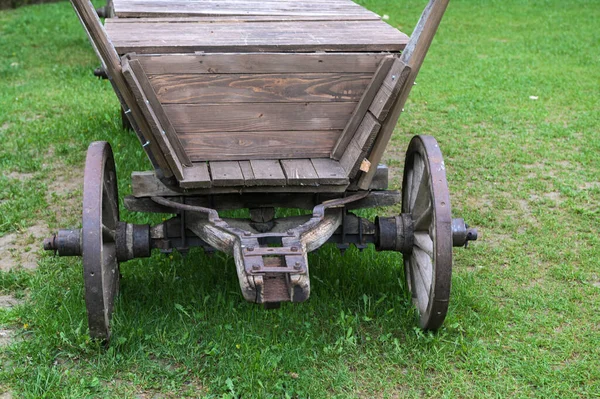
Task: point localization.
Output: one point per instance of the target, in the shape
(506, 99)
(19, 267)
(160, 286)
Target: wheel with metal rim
(100, 217)
(425, 196)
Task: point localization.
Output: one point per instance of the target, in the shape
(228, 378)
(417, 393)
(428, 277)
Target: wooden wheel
(428, 267)
(100, 217)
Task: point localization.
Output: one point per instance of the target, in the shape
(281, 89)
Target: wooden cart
(260, 105)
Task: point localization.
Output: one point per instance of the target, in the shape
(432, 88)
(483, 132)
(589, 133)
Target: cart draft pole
(112, 65)
(401, 78)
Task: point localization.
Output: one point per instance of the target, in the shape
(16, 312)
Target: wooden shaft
(413, 57)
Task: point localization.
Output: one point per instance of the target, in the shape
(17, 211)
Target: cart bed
(248, 93)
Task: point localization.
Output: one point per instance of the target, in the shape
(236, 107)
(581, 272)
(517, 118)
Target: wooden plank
(153, 122)
(226, 174)
(257, 37)
(413, 57)
(390, 89)
(329, 171)
(361, 109)
(268, 172)
(299, 172)
(112, 65)
(146, 184)
(196, 118)
(247, 18)
(219, 63)
(196, 176)
(258, 145)
(249, 179)
(360, 145)
(233, 88)
(156, 106)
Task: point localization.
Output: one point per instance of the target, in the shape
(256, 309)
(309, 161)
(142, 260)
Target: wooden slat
(390, 89)
(413, 57)
(233, 88)
(258, 145)
(329, 171)
(154, 103)
(249, 179)
(247, 18)
(138, 8)
(268, 172)
(194, 118)
(110, 61)
(153, 122)
(363, 105)
(218, 63)
(226, 174)
(146, 184)
(258, 37)
(196, 176)
(360, 145)
(299, 172)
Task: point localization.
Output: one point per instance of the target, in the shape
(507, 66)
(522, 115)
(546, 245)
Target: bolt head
(255, 267)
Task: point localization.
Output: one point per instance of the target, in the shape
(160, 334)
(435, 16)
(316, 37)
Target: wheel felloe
(100, 218)
(425, 196)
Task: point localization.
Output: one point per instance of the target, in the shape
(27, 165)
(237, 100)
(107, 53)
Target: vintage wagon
(262, 105)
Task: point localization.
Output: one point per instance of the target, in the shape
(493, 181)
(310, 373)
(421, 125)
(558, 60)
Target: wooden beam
(413, 57)
(362, 107)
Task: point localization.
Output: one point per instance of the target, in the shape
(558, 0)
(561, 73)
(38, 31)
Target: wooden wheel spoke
(424, 242)
(417, 178)
(424, 220)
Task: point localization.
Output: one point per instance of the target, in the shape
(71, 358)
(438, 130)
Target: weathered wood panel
(258, 145)
(194, 118)
(219, 63)
(267, 172)
(361, 109)
(226, 174)
(196, 176)
(329, 171)
(234, 88)
(360, 144)
(299, 172)
(257, 36)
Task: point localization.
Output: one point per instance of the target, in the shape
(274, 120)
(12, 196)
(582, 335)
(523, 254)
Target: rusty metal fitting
(132, 241)
(65, 243)
(395, 233)
(461, 233)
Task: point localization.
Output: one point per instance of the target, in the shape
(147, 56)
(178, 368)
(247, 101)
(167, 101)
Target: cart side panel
(259, 106)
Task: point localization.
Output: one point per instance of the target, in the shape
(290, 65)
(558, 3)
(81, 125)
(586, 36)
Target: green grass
(524, 318)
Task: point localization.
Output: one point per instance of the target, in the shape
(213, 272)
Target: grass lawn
(511, 91)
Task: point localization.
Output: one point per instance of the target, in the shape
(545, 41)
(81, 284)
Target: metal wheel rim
(100, 217)
(428, 268)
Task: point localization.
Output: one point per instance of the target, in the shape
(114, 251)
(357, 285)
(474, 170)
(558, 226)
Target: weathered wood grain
(195, 118)
(299, 172)
(268, 172)
(361, 109)
(248, 173)
(146, 184)
(226, 174)
(258, 145)
(245, 18)
(196, 176)
(154, 103)
(155, 127)
(257, 36)
(270, 63)
(389, 90)
(233, 88)
(360, 145)
(329, 171)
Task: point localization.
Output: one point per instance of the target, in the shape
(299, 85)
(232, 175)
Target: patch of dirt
(596, 284)
(20, 176)
(9, 301)
(22, 249)
(5, 395)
